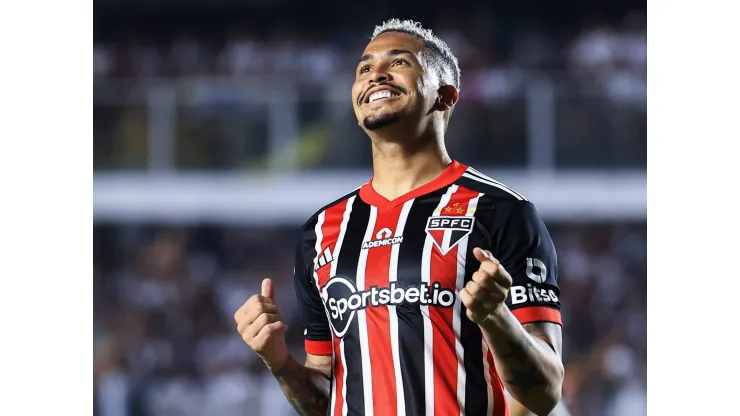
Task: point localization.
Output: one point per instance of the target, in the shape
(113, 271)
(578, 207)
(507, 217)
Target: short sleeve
(523, 245)
(313, 315)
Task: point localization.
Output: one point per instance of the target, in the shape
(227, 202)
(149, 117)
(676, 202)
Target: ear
(446, 98)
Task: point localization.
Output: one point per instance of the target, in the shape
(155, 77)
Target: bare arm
(306, 387)
(523, 276)
(527, 358)
(261, 326)
(518, 410)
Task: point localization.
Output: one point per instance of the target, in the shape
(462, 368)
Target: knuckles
(259, 308)
(507, 281)
(251, 307)
(478, 299)
(489, 268)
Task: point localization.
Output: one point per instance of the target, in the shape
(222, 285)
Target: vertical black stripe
(476, 388)
(410, 321)
(347, 267)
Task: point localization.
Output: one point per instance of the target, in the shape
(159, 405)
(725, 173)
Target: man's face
(389, 81)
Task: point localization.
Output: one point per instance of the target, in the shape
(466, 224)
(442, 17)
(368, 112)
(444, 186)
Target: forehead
(394, 40)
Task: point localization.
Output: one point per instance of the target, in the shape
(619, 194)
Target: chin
(378, 121)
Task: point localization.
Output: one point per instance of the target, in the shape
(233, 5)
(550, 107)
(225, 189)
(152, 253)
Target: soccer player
(431, 288)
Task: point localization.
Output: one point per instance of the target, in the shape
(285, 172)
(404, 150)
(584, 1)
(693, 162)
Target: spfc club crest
(448, 231)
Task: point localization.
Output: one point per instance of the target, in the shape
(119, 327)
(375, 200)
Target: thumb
(482, 255)
(268, 289)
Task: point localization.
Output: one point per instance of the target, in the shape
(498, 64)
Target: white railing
(168, 104)
(292, 198)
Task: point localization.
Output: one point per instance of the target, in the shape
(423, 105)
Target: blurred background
(220, 126)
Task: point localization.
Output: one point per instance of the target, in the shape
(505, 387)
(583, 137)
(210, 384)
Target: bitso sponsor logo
(536, 270)
(383, 238)
(530, 293)
(342, 300)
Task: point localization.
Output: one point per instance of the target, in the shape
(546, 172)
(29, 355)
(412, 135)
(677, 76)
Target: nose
(379, 78)
(380, 75)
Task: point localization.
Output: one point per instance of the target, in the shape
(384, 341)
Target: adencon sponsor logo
(342, 300)
(528, 293)
(383, 238)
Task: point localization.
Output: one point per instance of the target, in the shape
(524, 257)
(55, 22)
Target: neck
(398, 168)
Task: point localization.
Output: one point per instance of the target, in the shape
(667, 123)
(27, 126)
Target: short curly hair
(436, 52)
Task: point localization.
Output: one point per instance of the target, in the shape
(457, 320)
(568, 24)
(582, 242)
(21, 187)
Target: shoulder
(311, 222)
(490, 188)
(308, 235)
(501, 206)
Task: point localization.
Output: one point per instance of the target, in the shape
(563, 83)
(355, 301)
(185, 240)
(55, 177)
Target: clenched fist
(262, 328)
(487, 290)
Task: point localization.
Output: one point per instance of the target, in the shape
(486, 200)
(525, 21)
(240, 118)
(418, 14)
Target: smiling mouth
(382, 96)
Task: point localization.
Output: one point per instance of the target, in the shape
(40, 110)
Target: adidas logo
(324, 259)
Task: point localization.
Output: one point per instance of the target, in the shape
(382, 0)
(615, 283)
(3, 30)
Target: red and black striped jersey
(377, 284)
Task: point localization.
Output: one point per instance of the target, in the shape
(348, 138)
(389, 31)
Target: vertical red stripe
(378, 319)
(330, 230)
(500, 403)
(443, 269)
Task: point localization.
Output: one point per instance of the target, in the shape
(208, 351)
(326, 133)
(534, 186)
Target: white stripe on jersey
(479, 174)
(393, 317)
(367, 377)
(344, 379)
(337, 248)
(334, 393)
(426, 259)
(456, 316)
(495, 184)
(319, 240)
(489, 382)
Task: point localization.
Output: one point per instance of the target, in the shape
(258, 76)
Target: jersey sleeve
(315, 323)
(523, 245)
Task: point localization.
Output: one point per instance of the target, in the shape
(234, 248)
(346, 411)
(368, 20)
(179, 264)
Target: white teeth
(380, 95)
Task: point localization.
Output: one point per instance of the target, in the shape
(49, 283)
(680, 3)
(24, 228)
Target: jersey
(377, 283)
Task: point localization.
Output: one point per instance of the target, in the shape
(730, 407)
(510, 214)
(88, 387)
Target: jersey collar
(452, 173)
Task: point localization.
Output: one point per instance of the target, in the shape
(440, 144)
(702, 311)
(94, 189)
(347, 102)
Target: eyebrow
(392, 52)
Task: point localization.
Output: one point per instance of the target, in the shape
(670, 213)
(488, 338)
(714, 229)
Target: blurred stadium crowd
(166, 343)
(224, 83)
(609, 52)
(164, 297)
